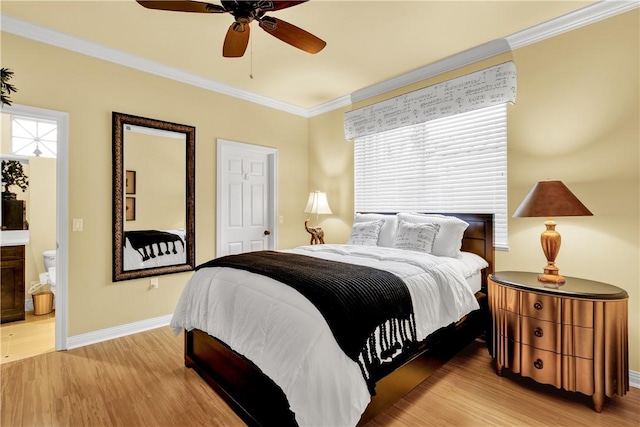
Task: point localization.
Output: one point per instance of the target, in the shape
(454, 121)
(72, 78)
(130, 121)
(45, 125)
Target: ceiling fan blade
(289, 33)
(267, 5)
(236, 40)
(182, 6)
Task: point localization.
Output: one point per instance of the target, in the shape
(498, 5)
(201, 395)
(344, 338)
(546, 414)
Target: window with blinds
(34, 137)
(456, 164)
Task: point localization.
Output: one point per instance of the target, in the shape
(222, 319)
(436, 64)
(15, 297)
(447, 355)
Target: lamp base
(550, 240)
(555, 279)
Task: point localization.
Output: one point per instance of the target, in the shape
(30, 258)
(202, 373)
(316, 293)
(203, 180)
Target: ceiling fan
(244, 12)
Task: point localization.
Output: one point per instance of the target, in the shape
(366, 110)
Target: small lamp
(317, 204)
(550, 199)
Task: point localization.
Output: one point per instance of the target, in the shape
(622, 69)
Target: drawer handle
(538, 332)
(537, 305)
(538, 364)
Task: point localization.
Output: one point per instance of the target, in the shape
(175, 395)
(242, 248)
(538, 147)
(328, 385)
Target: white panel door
(245, 197)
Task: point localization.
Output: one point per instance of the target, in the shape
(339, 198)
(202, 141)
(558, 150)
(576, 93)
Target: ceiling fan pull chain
(251, 60)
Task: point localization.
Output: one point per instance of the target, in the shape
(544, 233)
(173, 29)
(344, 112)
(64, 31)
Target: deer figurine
(317, 235)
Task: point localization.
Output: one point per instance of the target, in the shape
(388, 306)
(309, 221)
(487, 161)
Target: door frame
(62, 212)
(272, 179)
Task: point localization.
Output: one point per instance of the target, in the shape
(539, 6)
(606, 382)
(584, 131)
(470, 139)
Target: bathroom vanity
(12, 283)
(13, 279)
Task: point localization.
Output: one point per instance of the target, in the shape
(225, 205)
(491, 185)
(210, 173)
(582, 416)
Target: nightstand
(573, 337)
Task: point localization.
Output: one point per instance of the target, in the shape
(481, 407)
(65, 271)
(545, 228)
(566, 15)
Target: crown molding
(587, 15)
(44, 35)
(343, 101)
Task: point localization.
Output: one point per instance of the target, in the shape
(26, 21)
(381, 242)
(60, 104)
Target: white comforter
(281, 332)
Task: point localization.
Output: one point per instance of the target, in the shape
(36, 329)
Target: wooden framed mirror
(153, 197)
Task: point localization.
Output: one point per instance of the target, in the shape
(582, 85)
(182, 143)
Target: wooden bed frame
(260, 402)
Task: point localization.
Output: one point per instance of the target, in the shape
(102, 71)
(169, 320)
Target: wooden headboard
(477, 239)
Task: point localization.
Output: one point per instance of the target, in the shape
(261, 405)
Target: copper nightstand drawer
(559, 370)
(541, 334)
(541, 365)
(565, 339)
(543, 307)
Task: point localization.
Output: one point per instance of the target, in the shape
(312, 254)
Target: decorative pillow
(416, 237)
(387, 232)
(449, 238)
(365, 233)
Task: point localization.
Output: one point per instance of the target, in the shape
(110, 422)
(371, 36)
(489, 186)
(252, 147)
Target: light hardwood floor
(140, 380)
(27, 338)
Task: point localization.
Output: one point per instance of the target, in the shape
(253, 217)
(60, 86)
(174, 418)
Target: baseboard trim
(634, 379)
(117, 331)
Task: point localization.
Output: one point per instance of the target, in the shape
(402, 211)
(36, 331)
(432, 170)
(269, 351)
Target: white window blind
(456, 164)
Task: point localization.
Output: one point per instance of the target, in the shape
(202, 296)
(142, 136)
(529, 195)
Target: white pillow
(365, 233)
(449, 239)
(416, 237)
(387, 232)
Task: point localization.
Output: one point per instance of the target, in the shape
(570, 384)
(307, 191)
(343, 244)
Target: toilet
(49, 258)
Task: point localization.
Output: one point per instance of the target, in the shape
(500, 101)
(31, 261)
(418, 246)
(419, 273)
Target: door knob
(267, 232)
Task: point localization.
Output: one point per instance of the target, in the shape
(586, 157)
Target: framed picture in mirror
(130, 208)
(130, 182)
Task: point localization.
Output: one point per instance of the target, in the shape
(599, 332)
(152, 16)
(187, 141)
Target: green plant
(13, 174)
(5, 75)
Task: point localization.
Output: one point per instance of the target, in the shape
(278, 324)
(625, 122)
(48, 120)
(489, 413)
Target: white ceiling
(368, 41)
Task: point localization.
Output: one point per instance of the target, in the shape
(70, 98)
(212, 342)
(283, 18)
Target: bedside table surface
(573, 287)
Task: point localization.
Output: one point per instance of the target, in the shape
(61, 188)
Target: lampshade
(317, 203)
(549, 199)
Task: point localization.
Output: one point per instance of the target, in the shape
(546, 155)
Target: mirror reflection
(153, 197)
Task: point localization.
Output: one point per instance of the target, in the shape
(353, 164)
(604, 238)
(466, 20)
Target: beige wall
(576, 118)
(89, 90)
(331, 170)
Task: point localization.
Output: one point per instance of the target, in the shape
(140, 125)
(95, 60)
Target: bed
(243, 375)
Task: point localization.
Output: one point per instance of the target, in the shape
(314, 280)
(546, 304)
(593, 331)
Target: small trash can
(42, 302)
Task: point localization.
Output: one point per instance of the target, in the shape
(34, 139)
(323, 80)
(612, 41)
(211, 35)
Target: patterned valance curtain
(484, 88)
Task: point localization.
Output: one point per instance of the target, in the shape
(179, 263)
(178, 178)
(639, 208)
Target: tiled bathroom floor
(26, 338)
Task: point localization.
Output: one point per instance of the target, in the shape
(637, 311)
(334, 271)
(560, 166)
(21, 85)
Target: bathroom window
(34, 137)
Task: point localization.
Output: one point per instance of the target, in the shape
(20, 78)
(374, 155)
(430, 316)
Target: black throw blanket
(369, 311)
(143, 241)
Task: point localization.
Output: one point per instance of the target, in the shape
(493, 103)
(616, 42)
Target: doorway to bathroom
(38, 139)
